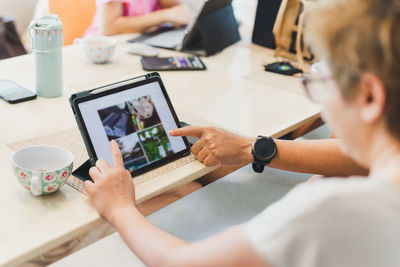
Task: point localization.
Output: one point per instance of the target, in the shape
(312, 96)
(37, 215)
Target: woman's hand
(112, 189)
(217, 146)
(178, 15)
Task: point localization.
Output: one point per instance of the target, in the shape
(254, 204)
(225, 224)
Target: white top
(337, 222)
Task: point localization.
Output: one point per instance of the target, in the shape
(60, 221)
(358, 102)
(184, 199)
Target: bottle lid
(47, 25)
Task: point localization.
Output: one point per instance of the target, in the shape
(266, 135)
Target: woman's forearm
(113, 23)
(113, 194)
(315, 156)
(122, 24)
(158, 248)
(152, 245)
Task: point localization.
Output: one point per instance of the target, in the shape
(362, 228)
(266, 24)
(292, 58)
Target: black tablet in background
(267, 11)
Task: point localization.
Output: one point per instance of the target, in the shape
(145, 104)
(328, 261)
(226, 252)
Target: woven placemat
(195, 120)
(71, 140)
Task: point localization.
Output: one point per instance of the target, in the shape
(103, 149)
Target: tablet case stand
(217, 31)
(82, 172)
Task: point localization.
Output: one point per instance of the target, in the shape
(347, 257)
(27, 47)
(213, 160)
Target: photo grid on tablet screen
(136, 126)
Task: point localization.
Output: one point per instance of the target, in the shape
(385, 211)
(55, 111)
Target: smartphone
(172, 63)
(14, 93)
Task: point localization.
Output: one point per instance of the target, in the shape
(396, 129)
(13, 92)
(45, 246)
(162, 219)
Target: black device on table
(137, 114)
(282, 67)
(14, 93)
(172, 63)
(214, 28)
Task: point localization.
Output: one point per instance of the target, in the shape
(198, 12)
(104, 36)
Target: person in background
(135, 16)
(333, 222)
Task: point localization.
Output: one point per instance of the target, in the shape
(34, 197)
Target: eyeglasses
(316, 87)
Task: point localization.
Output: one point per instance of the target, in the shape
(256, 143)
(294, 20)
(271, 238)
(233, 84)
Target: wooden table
(234, 92)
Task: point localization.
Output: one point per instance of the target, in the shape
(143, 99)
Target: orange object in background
(76, 16)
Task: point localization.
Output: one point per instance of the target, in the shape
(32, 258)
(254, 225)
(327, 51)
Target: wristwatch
(263, 150)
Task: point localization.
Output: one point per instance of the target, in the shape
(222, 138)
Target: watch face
(264, 148)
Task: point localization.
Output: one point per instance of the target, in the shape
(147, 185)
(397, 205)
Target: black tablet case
(82, 172)
(218, 30)
(213, 32)
(267, 11)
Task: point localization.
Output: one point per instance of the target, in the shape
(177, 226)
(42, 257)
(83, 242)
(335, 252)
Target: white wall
(21, 10)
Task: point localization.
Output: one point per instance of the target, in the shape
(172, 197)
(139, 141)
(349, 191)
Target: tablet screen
(138, 119)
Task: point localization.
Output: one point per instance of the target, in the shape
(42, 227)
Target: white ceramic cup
(98, 49)
(42, 169)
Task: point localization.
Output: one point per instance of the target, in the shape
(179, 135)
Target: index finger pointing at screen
(116, 155)
(193, 131)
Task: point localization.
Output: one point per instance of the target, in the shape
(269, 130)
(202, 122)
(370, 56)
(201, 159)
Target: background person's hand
(217, 146)
(112, 189)
(178, 15)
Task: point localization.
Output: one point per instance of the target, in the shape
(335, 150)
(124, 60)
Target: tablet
(138, 115)
(172, 63)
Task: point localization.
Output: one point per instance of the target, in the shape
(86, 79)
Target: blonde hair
(356, 37)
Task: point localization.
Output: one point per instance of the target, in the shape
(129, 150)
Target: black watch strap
(258, 167)
(260, 163)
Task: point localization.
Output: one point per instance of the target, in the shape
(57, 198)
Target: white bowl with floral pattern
(98, 49)
(42, 169)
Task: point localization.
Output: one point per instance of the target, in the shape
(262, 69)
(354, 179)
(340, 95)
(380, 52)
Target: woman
(335, 222)
(131, 16)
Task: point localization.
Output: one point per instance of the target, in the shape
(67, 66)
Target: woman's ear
(371, 98)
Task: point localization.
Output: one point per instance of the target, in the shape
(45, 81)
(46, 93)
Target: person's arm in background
(112, 21)
(113, 195)
(219, 147)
